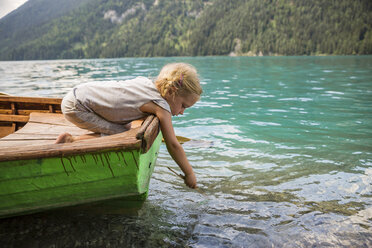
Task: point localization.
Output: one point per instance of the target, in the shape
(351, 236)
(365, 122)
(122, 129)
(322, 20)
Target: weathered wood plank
(5, 129)
(144, 126)
(29, 136)
(6, 111)
(150, 134)
(9, 144)
(121, 141)
(27, 111)
(52, 118)
(40, 128)
(30, 99)
(14, 118)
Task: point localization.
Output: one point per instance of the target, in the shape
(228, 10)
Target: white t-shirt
(119, 101)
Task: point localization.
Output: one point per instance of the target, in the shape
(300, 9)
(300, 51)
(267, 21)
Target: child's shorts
(84, 118)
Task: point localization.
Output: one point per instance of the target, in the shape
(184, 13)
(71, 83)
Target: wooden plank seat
(42, 128)
(36, 139)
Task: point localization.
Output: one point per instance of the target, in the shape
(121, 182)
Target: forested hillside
(132, 28)
(18, 27)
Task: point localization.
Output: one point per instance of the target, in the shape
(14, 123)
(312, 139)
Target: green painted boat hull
(39, 184)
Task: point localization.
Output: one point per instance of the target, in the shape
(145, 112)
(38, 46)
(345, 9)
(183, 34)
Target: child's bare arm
(173, 146)
(176, 150)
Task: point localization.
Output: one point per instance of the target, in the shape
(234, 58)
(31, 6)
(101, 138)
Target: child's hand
(190, 180)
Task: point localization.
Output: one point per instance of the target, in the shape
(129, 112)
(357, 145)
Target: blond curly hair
(182, 76)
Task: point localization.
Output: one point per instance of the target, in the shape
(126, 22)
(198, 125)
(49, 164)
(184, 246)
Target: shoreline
(207, 56)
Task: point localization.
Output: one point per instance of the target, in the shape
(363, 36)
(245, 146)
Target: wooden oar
(193, 143)
(181, 139)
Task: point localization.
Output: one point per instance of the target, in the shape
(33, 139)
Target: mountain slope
(18, 26)
(116, 28)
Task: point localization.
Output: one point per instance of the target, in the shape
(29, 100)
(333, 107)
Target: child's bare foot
(64, 138)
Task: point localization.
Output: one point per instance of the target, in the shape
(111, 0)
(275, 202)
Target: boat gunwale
(69, 149)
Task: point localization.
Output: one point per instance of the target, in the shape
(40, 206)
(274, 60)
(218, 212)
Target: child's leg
(76, 114)
(95, 123)
(91, 122)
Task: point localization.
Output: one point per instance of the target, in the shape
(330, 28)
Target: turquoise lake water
(290, 163)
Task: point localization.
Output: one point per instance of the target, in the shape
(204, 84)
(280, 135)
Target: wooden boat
(36, 174)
